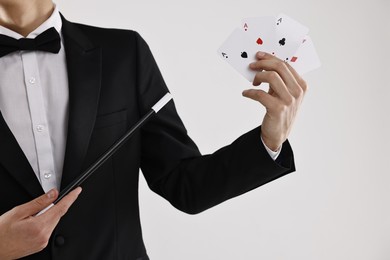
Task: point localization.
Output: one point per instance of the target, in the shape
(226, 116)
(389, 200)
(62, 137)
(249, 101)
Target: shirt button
(59, 240)
(47, 175)
(40, 128)
(32, 80)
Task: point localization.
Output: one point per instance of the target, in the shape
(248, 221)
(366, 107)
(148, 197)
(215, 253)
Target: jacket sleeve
(172, 164)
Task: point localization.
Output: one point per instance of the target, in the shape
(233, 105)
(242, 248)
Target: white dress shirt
(34, 100)
(34, 103)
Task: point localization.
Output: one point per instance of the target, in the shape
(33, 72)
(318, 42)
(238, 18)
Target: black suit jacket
(113, 81)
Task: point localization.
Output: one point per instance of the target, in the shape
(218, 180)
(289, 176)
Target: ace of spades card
(239, 52)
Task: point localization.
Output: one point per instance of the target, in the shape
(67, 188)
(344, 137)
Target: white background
(337, 204)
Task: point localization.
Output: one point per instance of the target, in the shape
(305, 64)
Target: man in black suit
(106, 80)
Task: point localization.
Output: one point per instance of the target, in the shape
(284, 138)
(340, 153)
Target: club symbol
(244, 55)
(282, 42)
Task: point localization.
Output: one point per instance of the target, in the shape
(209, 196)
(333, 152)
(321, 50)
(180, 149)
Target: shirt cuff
(274, 155)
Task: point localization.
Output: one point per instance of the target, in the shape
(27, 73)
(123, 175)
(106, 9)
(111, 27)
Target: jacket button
(59, 240)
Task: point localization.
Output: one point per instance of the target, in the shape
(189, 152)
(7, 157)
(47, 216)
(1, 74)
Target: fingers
(276, 83)
(22, 234)
(53, 215)
(280, 71)
(302, 83)
(283, 99)
(276, 68)
(259, 95)
(36, 205)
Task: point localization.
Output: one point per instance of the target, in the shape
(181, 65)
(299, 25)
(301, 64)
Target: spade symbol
(282, 42)
(244, 55)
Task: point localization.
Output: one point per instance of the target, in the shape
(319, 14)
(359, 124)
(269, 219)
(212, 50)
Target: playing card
(306, 58)
(282, 36)
(239, 51)
(260, 31)
(289, 36)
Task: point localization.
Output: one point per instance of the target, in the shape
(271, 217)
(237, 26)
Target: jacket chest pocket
(107, 130)
(111, 119)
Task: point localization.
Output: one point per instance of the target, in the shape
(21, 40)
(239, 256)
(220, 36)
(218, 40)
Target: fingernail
(252, 65)
(260, 54)
(51, 193)
(79, 190)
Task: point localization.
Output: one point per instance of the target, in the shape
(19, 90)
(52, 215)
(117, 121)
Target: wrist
(274, 146)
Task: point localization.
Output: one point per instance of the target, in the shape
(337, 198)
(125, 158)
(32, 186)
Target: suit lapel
(84, 74)
(16, 163)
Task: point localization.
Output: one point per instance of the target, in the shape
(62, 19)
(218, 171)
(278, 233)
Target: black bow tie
(48, 41)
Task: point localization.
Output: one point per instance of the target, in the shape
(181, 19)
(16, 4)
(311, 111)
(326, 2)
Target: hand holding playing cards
(283, 99)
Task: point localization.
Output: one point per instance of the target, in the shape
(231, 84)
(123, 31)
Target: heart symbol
(244, 55)
(259, 41)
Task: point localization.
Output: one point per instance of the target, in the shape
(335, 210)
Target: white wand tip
(162, 102)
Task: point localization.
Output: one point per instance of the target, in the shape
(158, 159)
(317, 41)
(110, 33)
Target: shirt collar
(53, 21)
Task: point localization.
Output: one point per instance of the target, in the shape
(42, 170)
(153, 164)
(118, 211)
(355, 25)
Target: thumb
(36, 205)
